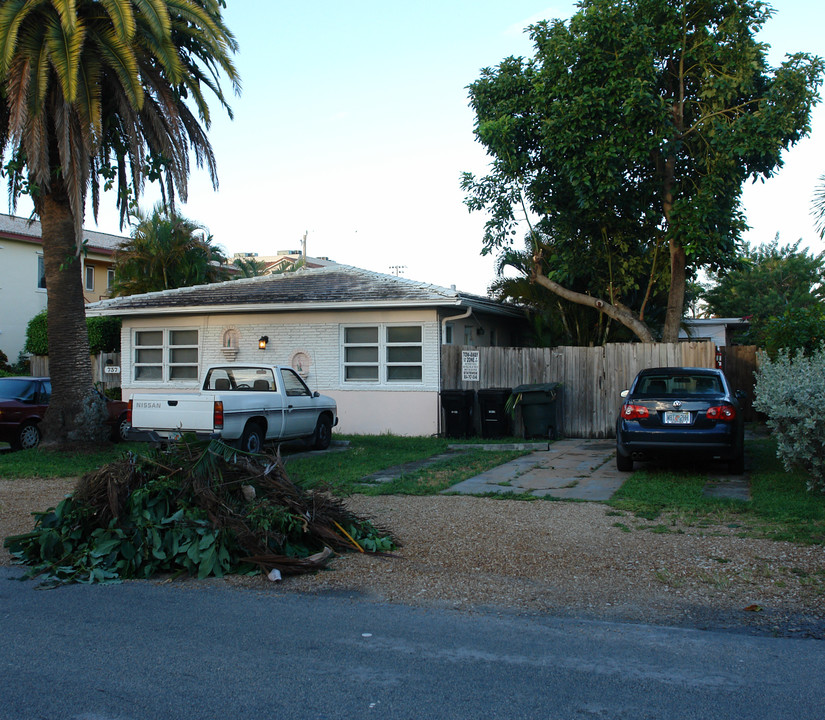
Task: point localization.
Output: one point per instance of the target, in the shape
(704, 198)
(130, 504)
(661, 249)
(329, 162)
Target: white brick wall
(319, 335)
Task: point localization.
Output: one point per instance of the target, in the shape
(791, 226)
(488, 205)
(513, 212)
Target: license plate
(677, 418)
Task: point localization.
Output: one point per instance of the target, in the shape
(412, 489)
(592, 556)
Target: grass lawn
(37, 463)
(780, 507)
(342, 472)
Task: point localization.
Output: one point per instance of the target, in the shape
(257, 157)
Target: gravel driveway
(582, 559)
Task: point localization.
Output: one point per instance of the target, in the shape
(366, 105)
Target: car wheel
(28, 437)
(120, 432)
(624, 463)
(737, 465)
(252, 440)
(322, 436)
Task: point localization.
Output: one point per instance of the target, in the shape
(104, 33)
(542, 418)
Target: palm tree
(166, 251)
(91, 90)
(818, 210)
(248, 267)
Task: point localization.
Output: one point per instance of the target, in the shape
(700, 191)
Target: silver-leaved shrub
(791, 392)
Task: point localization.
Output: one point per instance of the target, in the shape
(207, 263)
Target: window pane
(361, 354)
(362, 372)
(403, 354)
(90, 278)
(183, 337)
(41, 273)
(149, 337)
(148, 372)
(293, 385)
(403, 372)
(183, 372)
(361, 335)
(403, 334)
(183, 355)
(145, 355)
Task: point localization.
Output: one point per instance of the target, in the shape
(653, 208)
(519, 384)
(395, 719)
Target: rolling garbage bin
(539, 409)
(458, 412)
(492, 402)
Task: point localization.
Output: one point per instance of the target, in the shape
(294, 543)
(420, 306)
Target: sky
(354, 127)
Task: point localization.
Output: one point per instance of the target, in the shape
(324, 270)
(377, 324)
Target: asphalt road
(207, 650)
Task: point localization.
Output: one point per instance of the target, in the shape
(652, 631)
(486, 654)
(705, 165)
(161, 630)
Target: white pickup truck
(245, 405)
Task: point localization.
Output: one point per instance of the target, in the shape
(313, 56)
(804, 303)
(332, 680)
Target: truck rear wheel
(322, 436)
(252, 440)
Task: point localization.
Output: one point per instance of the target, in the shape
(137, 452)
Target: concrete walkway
(580, 469)
(568, 469)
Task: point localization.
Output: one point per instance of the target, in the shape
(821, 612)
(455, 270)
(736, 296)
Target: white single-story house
(369, 340)
(719, 331)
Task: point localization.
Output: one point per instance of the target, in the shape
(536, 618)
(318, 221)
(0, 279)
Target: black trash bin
(539, 409)
(492, 402)
(458, 412)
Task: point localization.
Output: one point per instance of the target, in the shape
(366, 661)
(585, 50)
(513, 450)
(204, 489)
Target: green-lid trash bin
(539, 409)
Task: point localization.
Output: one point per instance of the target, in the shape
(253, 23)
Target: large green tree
(625, 142)
(96, 92)
(165, 251)
(769, 281)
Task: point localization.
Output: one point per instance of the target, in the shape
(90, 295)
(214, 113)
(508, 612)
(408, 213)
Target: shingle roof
(332, 287)
(13, 225)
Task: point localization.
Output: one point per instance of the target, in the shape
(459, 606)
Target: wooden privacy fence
(105, 369)
(592, 378)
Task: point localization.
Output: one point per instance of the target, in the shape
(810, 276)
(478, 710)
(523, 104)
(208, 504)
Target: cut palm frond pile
(204, 509)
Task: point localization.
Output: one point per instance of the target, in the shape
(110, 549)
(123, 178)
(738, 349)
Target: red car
(23, 403)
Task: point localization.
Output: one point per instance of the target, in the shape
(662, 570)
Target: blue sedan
(677, 411)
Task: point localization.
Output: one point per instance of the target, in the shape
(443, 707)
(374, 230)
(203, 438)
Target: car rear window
(682, 384)
(16, 389)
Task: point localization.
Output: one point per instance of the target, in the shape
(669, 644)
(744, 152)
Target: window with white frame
(161, 355)
(405, 356)
(383, 353)
(361, 354)
(90, 277)
(41, 273)
(110, 278)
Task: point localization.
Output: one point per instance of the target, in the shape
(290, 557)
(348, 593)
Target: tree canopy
(624, 143)
(166, 251)
(770, 283)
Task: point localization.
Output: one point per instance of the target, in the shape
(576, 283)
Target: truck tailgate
(178, 412)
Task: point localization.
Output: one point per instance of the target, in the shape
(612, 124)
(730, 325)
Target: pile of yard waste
(198, 508)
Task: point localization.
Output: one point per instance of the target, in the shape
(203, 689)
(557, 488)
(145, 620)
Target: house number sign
(469, 365)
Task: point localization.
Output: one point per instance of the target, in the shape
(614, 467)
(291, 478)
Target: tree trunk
(619, 314)
(76, 412)
(676, 295)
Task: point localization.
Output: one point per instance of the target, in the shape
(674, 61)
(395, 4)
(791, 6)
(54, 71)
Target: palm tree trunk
(76, 412)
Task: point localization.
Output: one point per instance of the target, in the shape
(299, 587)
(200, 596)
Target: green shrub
(37, 335)
(791, 392)
(797, 330)
(104, 334)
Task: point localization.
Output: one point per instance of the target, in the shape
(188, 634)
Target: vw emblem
(677, 403)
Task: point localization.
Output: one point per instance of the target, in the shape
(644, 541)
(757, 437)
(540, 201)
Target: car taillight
(725, 413)
(217, 415)
(634, 412)
(129, 411)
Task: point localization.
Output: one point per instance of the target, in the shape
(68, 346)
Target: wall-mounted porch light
(262, 342)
